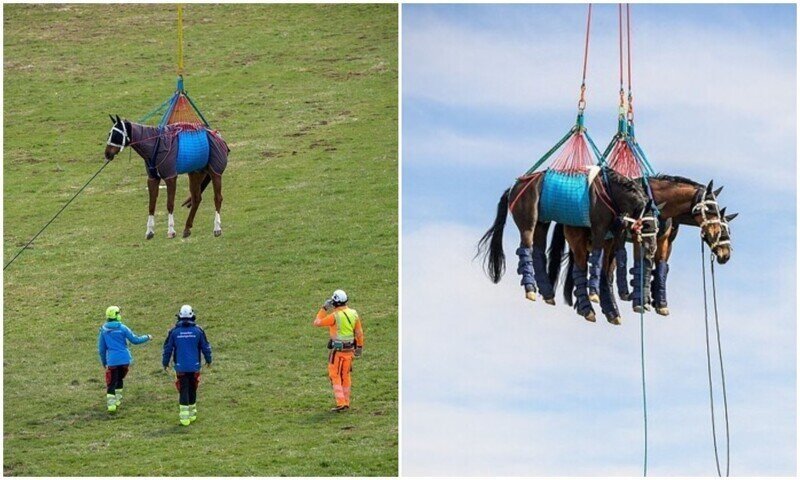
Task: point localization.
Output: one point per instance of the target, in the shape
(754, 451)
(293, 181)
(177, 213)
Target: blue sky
(493, 384)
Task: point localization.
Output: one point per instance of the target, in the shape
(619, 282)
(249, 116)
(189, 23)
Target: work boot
(184, 415)
(111, 402)
(118, 394)
(193, 412)
(340, 408)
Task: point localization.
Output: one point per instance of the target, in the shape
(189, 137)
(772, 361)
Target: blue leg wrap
(540, 273)
(638, 296)
(595, 264)
(660, 284)
(582, 303)
(607, 302)
(525, 268)
(621, 257)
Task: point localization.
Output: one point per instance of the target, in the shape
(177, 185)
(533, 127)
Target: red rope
(582, 99)
(586, 43)
(619, 8)
(628, 19)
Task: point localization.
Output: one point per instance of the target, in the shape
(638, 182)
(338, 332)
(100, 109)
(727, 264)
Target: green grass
(306, 96)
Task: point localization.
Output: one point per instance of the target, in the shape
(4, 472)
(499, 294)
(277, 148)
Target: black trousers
(114, 377)
(187, 384)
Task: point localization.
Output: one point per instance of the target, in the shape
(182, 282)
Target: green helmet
(112, 313)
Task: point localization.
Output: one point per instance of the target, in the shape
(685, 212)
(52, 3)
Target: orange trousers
(340, 364)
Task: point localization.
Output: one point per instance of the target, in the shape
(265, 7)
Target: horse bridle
(639, 225)
(702, 207)
(123, 131)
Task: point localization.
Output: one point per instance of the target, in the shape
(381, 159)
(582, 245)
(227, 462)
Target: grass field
(306, 96)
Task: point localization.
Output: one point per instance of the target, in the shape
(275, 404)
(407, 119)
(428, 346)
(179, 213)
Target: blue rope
(722, 369)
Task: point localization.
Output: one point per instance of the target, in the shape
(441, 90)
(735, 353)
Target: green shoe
(112, 408)
(193, 412)
(118, 395)
(185, 422)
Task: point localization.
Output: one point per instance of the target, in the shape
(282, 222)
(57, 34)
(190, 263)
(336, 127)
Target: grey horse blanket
(169, 160)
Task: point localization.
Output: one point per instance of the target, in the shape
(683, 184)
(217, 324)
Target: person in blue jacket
(184, 344)
(112, 346)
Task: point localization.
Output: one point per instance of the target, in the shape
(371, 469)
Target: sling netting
(565, 188)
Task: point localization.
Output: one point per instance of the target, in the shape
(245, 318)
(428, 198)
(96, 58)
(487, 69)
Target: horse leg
(194, 191)
(659, 285)
(217, 180)
(540, 263)
(171, 185)
(152, 190)
(525, 265)
(621, 259)
(595, 263)
(578, 241)
(641, 271)
(607, 302)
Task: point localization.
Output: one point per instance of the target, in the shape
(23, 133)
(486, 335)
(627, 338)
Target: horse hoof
(171, 235)
(186, 233)
(149, 235)
(615, 320)
(625, 297)
(550, 301)
(594, 298)
(217, 233)
(662, 311)
(530, 296)
(638, 309)
(591, 317)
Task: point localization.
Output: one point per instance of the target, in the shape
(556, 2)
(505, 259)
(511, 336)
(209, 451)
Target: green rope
(552, 150)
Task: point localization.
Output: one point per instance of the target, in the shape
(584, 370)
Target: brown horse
(618, 204)
(159, 148)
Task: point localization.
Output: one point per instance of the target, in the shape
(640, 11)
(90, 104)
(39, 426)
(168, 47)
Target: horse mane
(677, 179)
(632, 186)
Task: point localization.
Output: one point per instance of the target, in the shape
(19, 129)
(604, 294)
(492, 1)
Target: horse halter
(123, 131)
(702, 207)
(646, 226)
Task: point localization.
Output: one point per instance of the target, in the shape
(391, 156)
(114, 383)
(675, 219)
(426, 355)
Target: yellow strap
(180, 39)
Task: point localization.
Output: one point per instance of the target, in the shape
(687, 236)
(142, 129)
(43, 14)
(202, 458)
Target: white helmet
(186, 313)
(339, 297)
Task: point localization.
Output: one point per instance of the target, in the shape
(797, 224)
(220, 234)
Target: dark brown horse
(618, 206)
(686, 203)
(159, 149)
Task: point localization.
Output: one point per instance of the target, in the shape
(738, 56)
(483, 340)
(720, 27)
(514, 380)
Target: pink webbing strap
(530, 179)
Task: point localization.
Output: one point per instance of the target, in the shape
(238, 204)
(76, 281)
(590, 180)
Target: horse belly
(565, 199)
(192, 151)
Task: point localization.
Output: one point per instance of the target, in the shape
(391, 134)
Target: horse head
(714, 228)
(118, 137)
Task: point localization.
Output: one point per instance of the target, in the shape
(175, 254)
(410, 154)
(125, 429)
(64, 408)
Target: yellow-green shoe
(184, 415)
(111, 402)
(192, 412)
(118, 395)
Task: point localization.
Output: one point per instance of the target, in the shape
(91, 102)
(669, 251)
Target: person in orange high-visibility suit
(346, 342)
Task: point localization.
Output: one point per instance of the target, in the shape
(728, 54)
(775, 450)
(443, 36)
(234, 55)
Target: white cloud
(494, 384)
(677, 66)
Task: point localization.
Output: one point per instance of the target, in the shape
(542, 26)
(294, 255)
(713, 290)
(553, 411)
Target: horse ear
(112, 118)
(661, 207)
(118, 120)
(722, 212)
(717, 191)
(731, 216)
(710, 187)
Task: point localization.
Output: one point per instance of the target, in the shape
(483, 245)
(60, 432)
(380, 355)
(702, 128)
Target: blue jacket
(112, 343)
(184, 344)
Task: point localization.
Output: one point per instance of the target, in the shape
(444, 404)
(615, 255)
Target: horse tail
(569, 283)
(494, 258)
(555, 254)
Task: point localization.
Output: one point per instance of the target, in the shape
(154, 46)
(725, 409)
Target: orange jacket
(325, 319)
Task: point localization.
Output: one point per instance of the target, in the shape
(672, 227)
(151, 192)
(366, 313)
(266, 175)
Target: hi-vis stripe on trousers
(340, 364)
